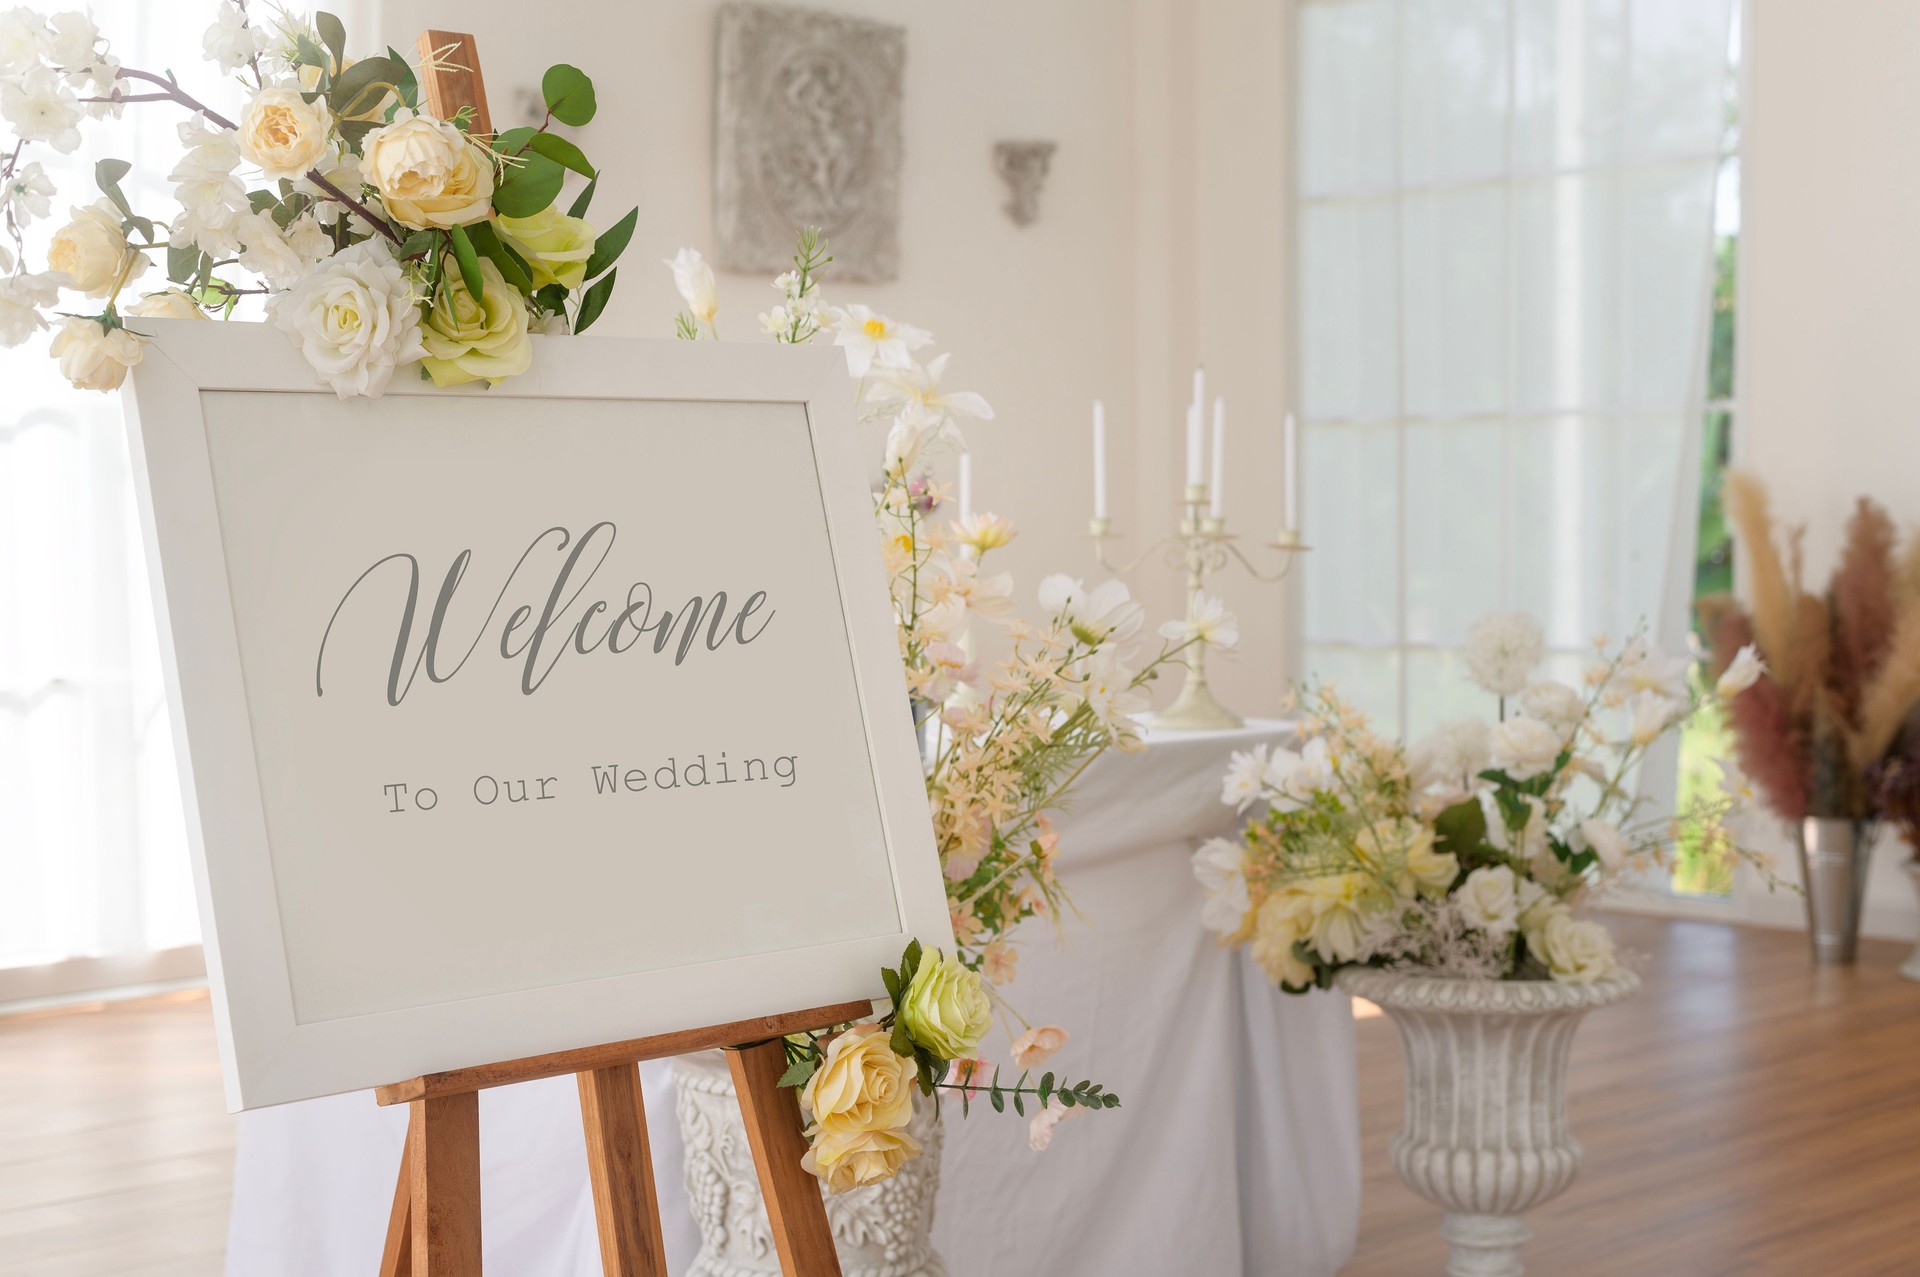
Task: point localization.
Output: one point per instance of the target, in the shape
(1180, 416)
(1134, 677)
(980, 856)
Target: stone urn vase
(1486, 1127)
(883, 1230)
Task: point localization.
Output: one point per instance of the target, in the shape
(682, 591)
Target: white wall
(1098, 298)
(1830, 274)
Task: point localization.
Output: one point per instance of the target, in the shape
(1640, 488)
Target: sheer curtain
(1506, 235)
(95, 884)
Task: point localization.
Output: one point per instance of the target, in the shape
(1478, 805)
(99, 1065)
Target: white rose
(694, 278)
(22, 298)
(92, 356)
(42, 108)
(92, 251)
(284, 133)
(1606, 842)
(1489, 900)
(1575, 952)
(428, 173)
(169, 304)
(1553, 703)
(355, 318)
(1220, 867)
(1525, 747)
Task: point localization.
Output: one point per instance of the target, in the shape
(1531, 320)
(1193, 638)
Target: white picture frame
(231, 762)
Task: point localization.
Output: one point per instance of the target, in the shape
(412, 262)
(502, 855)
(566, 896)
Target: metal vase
(1834, 858)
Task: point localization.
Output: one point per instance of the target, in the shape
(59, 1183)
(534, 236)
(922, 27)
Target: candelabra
(1202, 547)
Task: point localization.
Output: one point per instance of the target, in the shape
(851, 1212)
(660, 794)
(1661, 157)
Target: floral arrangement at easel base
(1006, 742)
(1467, 855)
(1832, 729)
(380, 236)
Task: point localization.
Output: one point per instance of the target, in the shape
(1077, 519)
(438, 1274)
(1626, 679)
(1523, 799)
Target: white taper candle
(1099, 460)
(1195, 468)
(1219, 507)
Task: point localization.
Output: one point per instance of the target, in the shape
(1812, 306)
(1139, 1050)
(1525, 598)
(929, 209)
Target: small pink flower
(1037, 1045)
(1047, 842)
(1000, 962)
(970, 1076)
(1040, 1130)
(966, 927)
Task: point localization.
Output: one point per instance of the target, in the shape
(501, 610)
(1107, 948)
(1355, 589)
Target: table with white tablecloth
(1236, 1149)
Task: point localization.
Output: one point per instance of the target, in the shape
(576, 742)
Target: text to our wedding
(603, 780)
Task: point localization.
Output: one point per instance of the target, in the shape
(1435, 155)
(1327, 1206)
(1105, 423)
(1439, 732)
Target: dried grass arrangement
(1833, 727)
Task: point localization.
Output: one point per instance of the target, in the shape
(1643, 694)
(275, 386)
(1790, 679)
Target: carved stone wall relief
(1024, 166)
(807, 133)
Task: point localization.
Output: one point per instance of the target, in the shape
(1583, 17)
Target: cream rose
(861, 1085)
(355, 318)
(428, 173)
(469, 338)
(1489, 900)
(854, 1159)
(283, 133)
(93, 356)
(1575, 952)
(556, 246)
(1525, 747)
(168, 304)
(92, 251)
(945, 1009)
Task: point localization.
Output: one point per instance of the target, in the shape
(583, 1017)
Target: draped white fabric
(93, 858)
(1506, 212)
(1236, 1149)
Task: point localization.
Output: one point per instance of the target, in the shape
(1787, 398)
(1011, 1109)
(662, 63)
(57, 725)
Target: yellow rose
(469, 338)
(853, 1159)
(92, 356)
(284, 133)
(92, 251)
(556, 246)
(428, 172)
(861, 1085)
(1410, 844)
(1281, 920)
(945, 1009)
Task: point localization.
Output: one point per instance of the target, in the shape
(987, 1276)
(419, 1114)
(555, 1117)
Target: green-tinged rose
(945, 1009)
(469, 338)
(556, 246)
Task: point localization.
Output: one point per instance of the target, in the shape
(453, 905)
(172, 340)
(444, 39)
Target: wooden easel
(434, 1228)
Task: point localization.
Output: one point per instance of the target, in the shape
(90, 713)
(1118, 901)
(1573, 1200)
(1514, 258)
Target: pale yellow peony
(469, 338)
(92, 356)
(854, 1159)
(945, 1009)
(861, 1085)
(428, 173)
(92, 251)
(285, 134)
(1409, 844)
(1344, 913)
(556, 246)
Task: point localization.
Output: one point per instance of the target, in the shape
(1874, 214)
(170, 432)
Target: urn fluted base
(884, 1230)
(1486, 1127)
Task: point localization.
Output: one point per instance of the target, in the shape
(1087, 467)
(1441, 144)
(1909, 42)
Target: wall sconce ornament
(1024, 167)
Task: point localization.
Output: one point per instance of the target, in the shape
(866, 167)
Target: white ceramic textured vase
(885, 1230)
(1486, 1126)
(1911, 967)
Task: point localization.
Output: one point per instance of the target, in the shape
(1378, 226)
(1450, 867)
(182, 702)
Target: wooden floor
(1746, 1114)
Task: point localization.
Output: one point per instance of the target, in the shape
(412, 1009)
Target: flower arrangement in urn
(1468, 854)
(379, 236)
(1004, 742)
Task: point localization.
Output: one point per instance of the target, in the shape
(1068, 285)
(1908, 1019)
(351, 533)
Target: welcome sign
(526, 719)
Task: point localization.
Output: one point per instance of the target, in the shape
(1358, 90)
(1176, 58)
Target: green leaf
(333, 34)
(107, 175)
(799, 1071)
(607, 247)
(355, 131)
(469, 260)
(357, 88)
(529, 186)
(569, 94)
(552, 296)
(999, 1100)
(514, 141)
(261, 201)
(901, 1043)
(891, 979)
(418, 243)
(1018, 1107)
(563, 153)
(307, 53)
(408, 86)
(183, 262)
(1066, 1099)
(513, 269)
(1046, 1088)
(583, 199)
(591, 305)
(1110, 1101)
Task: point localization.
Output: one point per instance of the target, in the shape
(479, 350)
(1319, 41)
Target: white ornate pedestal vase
(885, 1230)
(1486, 1127)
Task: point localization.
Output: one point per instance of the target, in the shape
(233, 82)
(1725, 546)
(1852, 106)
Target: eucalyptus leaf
(563, 153)
(584, 199)
(463, 252)
(418, 243)
(183, 262)
(366, 79)
(569, 94)
(407, 87)
(607, 247)
(514, 141)
(307, 53)
(333, 34)
(487, 242)
(529, 186)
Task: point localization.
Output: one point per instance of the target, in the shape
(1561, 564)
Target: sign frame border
(267, 1057)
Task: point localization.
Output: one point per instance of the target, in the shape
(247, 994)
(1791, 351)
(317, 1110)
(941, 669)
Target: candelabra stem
(1195, 710)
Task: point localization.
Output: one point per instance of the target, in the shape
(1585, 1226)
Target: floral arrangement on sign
(1004, 743)
(378, 235)
(1833, 726)
(1468, 854)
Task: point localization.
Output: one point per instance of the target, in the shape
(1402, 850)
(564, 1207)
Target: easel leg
(625, 1204)
(794, 1208)
(396, 1258)
(443, 1161)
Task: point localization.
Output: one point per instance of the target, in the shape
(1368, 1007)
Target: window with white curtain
(1506, 235)
(93, 859)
